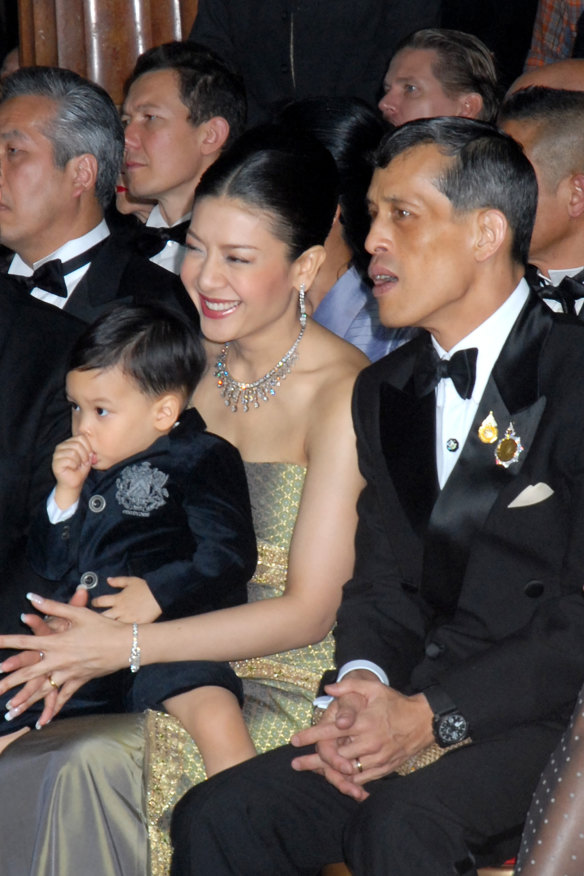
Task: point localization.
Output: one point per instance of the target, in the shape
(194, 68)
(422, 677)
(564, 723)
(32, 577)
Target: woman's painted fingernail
(34, 597)
(12, 713)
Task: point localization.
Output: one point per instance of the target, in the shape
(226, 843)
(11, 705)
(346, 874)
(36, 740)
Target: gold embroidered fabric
(278, 689)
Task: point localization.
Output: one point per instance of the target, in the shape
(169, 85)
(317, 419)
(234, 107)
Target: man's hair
(489, 170)
(556, 116)
(463, 64)
(207, 86)
(157, 348)
(85, 120)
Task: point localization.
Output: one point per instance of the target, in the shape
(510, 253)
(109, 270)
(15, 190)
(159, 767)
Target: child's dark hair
(158, 348)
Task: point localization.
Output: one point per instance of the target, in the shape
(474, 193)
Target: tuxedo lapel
(512, 397)
(408, 438)
(100, 284)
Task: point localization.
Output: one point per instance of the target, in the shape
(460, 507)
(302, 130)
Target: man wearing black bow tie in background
(461, 633)
(183, 107)
(549, 124)
(61, 146)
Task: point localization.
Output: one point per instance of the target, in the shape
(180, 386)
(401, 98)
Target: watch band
(438, 700)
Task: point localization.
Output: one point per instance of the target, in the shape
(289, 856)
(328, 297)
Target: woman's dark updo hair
(287, 175)
(351, 131)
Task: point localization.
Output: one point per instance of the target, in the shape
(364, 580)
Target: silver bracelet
(134, 659)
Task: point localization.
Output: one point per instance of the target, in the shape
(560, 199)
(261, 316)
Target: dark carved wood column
(100, 39)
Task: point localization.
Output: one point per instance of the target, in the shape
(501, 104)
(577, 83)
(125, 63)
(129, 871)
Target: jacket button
(66, 532)
(533, 589)
(96, 503)
(88, 580)
(434, 650)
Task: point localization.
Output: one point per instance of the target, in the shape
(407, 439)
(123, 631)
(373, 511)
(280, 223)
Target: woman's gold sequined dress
(278, 689)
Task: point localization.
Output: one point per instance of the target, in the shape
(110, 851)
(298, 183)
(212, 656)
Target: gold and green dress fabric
(278, 689)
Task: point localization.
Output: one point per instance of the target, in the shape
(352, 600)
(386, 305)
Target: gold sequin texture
(278, 689)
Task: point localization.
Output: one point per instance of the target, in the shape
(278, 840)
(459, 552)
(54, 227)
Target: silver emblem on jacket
(140, 489)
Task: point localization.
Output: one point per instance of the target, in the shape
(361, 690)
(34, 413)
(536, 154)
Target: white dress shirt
(454, 415)
(68, 251)
(170, 256)
(555, 278)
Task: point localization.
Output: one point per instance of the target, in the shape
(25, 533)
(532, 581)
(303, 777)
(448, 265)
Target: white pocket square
(531, 495)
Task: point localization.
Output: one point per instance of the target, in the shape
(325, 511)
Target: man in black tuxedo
(549, 124)
(35, 342)
(467, 591)
(61, 147)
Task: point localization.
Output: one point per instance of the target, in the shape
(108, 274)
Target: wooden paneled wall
(100, 39)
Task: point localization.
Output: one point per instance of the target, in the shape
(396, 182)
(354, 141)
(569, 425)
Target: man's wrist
(362, 665)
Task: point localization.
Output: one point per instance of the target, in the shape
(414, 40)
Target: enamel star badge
(509, 448)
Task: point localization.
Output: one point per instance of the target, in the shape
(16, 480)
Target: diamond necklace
(251, 394)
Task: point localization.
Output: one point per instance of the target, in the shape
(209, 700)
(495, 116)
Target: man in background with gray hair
(61, 147)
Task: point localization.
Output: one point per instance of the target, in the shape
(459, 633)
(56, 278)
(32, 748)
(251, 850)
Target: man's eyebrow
(14, 134)
(144, 105)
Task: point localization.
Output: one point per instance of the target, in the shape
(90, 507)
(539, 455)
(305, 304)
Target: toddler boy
(150, 514)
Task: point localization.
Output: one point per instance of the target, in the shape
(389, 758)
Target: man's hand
(370, 725)
(135, 602)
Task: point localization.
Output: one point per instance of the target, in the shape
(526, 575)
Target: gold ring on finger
(358, 764)
(53, 683)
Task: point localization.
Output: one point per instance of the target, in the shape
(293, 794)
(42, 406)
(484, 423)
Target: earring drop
(301, 295)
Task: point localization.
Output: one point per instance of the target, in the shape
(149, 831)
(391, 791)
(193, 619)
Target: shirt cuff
(323, 702)
(56, 514)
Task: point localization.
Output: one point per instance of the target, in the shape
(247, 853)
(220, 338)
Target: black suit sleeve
(381, 617)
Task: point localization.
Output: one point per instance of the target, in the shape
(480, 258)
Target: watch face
(452, 728)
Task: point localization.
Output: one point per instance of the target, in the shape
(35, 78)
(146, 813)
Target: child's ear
(167, 410)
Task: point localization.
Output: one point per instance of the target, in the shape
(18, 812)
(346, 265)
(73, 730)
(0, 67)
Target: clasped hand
(370, 725)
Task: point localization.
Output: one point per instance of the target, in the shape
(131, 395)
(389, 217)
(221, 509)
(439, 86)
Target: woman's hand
(89, 647)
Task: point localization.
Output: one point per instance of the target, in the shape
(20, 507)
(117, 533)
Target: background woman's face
(237, 272)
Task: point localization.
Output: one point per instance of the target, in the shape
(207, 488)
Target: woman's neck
(250, 358)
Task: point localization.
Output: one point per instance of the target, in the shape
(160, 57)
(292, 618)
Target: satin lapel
(102, 281)
(512, 395)
(408, 438)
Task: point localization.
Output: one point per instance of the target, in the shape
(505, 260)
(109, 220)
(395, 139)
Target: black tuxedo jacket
(119, 275)
(35, 342)
(464, 586)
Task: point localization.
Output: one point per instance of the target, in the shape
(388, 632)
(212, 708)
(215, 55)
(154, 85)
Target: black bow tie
(431, 369)
(50, 276)
(152, 240)
(567, 292)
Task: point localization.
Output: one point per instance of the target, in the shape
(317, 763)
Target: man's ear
(215, 134)
(491, 232)
(576, 201)
(471, 105)
(83, 171)
(306, 266)
(167, 410)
